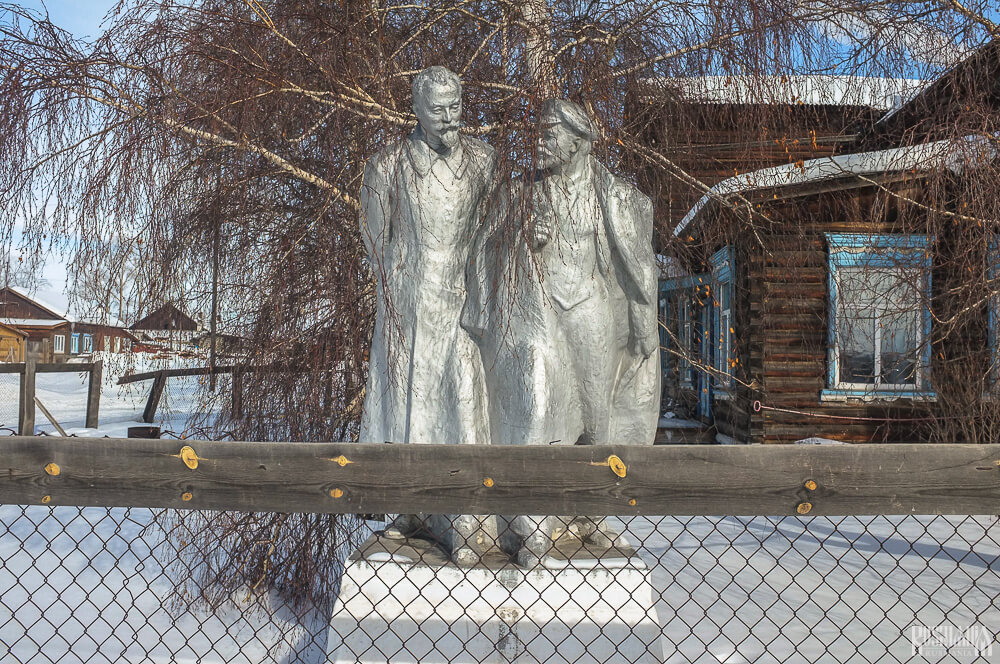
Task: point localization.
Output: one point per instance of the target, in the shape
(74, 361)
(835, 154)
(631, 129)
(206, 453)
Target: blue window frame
(74, 344)
(722, 327)
(681, 298)
(879, 321)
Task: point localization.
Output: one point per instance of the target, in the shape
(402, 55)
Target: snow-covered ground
(88, 585)
(95, 585)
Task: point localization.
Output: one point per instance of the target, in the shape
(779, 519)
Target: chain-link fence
(10, 399)
(128, 585)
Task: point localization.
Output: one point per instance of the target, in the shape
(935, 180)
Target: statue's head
(567, 133)
(437, 103)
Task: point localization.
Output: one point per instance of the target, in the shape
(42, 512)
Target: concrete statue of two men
(489, 334)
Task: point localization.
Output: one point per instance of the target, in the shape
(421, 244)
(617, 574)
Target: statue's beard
(546, 159)
(449, 137)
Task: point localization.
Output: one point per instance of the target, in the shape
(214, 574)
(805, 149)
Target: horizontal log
(173, 373)
(776, 384)
(801, 369)
(64, 367)
(804, 323)
(791, 260)
(778, 274)
(778, 306)
(814, 290)
(48, 367)
(449, 479)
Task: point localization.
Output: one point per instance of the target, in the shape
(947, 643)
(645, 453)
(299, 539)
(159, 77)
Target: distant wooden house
(56, 337)
(13, 344)
(167, 318)
(167, 327)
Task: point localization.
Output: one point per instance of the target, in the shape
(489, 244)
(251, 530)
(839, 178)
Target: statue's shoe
(528, 559)
(535, 552)
(600, 540)
(465, 557)
(403, 526)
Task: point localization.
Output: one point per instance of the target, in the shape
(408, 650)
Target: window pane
(900, 347)
(859, 287)
(856, 335)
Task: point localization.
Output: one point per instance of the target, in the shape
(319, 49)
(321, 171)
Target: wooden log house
(813, 317)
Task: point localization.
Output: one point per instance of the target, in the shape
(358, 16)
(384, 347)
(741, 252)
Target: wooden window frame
(884, 252)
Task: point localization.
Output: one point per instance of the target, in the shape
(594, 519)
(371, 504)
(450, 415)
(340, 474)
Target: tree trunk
(538, 47)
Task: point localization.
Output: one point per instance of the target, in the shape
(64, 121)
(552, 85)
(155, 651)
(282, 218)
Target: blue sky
(81, 17)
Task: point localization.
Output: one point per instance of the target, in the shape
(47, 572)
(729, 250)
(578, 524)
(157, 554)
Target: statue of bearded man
(420, 207)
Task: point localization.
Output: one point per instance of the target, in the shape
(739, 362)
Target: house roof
(50, 308)
(169, 310)
(33, 322)
(794, 179)
(70, 313)
(13, 329)
(812, 90)
(977, 77)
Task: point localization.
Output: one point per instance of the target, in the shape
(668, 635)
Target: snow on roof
(107, 320)
(812, 90)
(950, 154)
(33, 322)
(47, 298)
(51, 308)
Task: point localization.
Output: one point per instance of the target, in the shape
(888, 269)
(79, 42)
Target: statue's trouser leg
(465, 537)
(590, 327)
(534, 533)
(590, 331)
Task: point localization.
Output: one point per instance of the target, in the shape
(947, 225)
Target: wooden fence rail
(26, 397)
(598, 480)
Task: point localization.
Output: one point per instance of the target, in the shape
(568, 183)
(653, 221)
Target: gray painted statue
(564, 309)
(421, 203)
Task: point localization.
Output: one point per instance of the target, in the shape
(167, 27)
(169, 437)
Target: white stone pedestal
(404, 602)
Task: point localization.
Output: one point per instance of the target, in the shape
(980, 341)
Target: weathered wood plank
(64, 367)
(51, 418)
(155, 392)
(26, 409)
(173, 373)
(94, 394)
(367, 478)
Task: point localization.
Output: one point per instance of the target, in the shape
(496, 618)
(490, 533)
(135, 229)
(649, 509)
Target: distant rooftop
(812, 90)
(48, 301)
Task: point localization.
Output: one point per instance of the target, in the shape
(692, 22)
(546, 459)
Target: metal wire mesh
(116, 585)
(10, 391)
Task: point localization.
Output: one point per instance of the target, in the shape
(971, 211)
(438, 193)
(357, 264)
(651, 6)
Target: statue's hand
(542, 232)
(643, 346)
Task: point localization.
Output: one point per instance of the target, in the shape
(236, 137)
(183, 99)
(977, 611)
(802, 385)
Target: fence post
(237, 405)
(154, 397)
(94, 394)
(26, 414)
